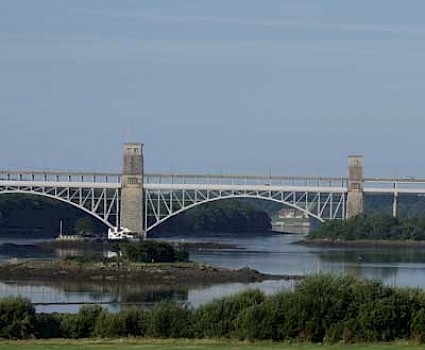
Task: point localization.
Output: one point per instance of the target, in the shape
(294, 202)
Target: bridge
(140, 201)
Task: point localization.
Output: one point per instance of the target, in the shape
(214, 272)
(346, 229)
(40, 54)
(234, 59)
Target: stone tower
(355, 186)
(132, 189)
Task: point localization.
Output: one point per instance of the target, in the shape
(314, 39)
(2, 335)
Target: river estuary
(266, 252)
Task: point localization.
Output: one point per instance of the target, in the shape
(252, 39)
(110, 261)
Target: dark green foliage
(321, 308)
(260, 321)
(417, 327)
(371, 227)
(41, 214)
(151, 251)
(170, 320)
(109, 325)
(331, 309)
(82, 324)
(136, 321)
(408, 205)
(49, 325)
(17, 318)
(130, 322)
(322, 300)
(216, 319)
(231, 215)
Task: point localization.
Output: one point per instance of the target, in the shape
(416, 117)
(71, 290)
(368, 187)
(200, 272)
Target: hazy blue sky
(233, 86)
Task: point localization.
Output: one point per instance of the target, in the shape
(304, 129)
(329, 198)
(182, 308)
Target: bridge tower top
(355, 171)
(133, 159)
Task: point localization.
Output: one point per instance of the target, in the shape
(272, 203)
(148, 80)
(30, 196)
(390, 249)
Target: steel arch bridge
(167, 195)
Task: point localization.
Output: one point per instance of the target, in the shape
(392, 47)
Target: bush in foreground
(321, 308)
(17, 318)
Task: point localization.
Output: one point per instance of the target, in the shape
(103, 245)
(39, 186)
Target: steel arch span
(99, 204)
(161, 205)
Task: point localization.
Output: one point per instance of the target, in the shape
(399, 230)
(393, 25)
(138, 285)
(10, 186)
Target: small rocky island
(147, 262)
(153, 273)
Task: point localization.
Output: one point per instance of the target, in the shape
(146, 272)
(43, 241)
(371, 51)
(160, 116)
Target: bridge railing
(394, 185)
(234, 180)
(59, 176)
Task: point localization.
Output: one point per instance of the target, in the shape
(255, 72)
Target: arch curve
(159, 222)
(104, 221)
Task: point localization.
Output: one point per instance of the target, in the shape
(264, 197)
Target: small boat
(121, 233)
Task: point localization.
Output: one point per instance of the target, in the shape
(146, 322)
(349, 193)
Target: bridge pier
(355, 186)
(132, 189)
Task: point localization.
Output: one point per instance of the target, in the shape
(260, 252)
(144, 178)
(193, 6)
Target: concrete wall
(132, 189)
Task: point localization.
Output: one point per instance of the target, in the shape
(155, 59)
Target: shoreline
(99, 245)
(325, 242)
(160, 273)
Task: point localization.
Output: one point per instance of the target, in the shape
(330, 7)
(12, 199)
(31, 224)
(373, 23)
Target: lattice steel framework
(97, 196)
(322, 199)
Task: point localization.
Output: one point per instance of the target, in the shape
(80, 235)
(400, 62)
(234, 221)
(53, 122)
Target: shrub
(386, 319)
(417, 326)
(82, 324)
(17, 318)
(259, 322)
(109, 325)
(49, 325)
(170, 320)
(136, 321)
(319, 302)
(152, 251)
(216, 319)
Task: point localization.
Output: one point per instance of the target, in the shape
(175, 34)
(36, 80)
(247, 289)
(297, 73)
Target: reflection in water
(56, 293)
(374, 256)
(266, 252)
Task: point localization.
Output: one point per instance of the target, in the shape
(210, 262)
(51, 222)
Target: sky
(290, 87)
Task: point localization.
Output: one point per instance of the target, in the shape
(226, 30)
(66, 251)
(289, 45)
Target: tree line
(229, 215)
(29, 213)
(371, 227)
(321, 308)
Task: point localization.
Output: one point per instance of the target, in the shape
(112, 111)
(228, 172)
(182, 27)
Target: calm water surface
(266, 252)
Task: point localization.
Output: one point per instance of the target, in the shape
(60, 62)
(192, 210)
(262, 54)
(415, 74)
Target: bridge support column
(355, 186)
(132, 189)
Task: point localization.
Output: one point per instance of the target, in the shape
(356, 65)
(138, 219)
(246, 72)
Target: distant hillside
(412, 206)
(230, 215)
(31, 213)
(41, 214)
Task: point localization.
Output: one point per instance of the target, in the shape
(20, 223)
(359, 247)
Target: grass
(135, 344)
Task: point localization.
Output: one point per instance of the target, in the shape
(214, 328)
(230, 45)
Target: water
(266, 252)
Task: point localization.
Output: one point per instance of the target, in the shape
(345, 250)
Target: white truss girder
(102, 202)
(162, 203)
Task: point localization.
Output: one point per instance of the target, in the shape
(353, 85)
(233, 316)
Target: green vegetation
(371, 227)
(151, 251)
(408, 205)
(177, 344)
(42, 215)
(321, 308)
(147, 251)
(222, 216)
